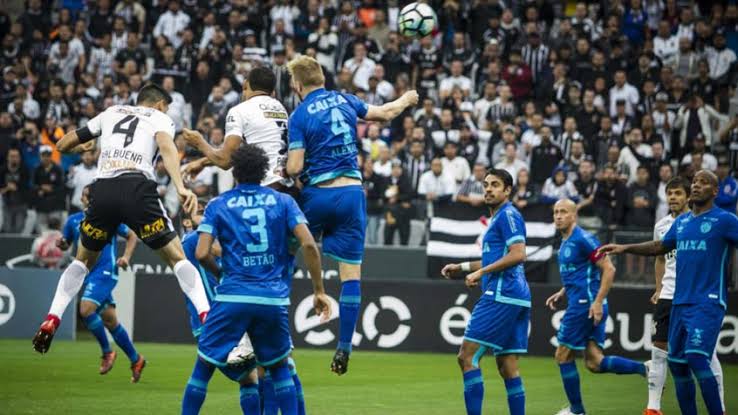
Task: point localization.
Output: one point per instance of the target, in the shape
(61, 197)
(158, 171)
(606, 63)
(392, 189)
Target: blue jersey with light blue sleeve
(508, 286)
(324, 125)
(106, 262)
(703, 245)
(253, 224)
(577, 266)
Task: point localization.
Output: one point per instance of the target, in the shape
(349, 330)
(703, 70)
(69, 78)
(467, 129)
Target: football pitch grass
(66, 381)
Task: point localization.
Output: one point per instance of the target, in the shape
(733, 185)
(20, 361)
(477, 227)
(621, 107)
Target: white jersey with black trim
(262, 121)
(669, 279)
(126, 138)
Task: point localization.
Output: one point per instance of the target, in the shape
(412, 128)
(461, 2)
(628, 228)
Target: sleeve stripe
(205, 228)
(515, 239)
(295, 145)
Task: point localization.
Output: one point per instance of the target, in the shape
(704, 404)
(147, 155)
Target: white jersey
(262, 121)
(127, 139)
(667, 283)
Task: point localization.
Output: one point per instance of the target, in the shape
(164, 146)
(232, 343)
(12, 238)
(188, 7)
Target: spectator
(79, 177)
(609, 198)
(177, 106)
(518, 76)
(171, 23)
(436, 185)
(216, 106)
(709, 161)
(361, 67)
(568, 137)
(524, 194)
(634, 152)
(383, 164)
(468, 146)
(720, 57)
(622, 122)
(696, 118)
(665, 45)
(586, 186)
(101, 58)
(666, 172)
(684, 62)
(623, 91)
(455, 166)
(415, 163)
(14, 181)
(641, 201)
(373, 143)
(471, 190)
(558, 187)
(544, 158)
(447, 132)
(374, 188)
(510, 162)
(398, 209)
(456, 79)
(48, 189)
(727, 187)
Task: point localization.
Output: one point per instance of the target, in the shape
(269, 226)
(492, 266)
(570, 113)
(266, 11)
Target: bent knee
(87, 308)
(593, 365)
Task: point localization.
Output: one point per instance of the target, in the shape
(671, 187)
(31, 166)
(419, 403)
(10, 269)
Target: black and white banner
(456, 231)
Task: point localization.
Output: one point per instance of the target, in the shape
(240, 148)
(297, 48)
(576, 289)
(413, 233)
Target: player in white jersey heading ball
(677, 196)
(124, 191)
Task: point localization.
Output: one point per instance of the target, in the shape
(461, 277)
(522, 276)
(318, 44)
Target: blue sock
(261, 392)
(197, 387)
(621, 366)
(515, 396)
(250, 400)
(284, 389)
(95, 325)
(120, 335)
(349, 305)
(570, 378)
(473, 391)
(700, 366)
(684, 385)
(269, 403)
(298, 387)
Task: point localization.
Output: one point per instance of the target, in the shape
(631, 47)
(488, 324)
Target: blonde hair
(306, 71)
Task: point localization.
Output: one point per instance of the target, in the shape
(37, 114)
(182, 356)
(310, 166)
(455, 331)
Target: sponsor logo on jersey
(256, 200)
(93, 232)
(278, 115)
(691, 245)
(151, 229)
(325, 104)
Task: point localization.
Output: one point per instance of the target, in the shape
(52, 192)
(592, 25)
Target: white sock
(717, 370)
(656, 378)
(69, 284)
(191, 284)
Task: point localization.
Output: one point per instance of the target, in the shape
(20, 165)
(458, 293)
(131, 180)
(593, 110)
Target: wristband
(466, 266)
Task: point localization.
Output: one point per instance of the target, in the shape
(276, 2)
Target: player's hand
(62, 244)
(472, 280)
(655, 296)
(410, 98)
(123, 262)
(189, 201)
(191, 169)
(611, 249)
(192, 137)
(450, 270)
(322, 305)
(595, 312)
(552, 300)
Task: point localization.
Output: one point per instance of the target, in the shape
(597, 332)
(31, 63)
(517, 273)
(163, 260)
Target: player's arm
(659, 268)
(170, 157)
(220, 157)
(515, 256)
(131, 241)
(650, 248)
(390, 110)
(295, 162)
(555, 297)
(455, 271)
(607, 274)
(311, 254)
(77, 141)
(204, 254)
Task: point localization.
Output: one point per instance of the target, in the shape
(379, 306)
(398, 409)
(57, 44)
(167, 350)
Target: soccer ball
(417, 20)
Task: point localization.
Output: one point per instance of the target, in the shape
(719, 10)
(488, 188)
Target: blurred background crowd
(600, 101)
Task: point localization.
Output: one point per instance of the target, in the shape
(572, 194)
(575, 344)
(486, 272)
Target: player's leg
(298, 386)
(657, 367)
(88, 312)
(678, 364)
(574, 332)
(123, 340)
(565, 357)
(507, 365)
(597, 362)
(703, 323)
(187, 275)
(197, 387)
(511, 337)
(470, 353)
(717, 370)
(268, 400)
(349, 305)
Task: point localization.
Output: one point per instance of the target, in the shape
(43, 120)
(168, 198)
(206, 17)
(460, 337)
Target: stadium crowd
(602, 102)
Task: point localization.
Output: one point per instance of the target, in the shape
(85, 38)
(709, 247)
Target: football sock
(717, 370)
(261, 393)
(349, 305)
(250, 399)
(684, 386)
(95, 325)
(284, 389)
(197, 387)
(621, 366)
(708, 384)
(515, 396)
(298, 387)
(269, 403)
(120, 335)
(69, 284)
(570, 378)
(191, 284)
(656, 378)
(473, 391)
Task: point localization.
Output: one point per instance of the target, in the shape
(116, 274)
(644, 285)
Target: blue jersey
(210, 281)
(579, 274)
(108, 257)
(508, 286)
(703, 244)
(324, 125)
(253, 224)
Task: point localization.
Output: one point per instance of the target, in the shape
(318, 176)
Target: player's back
(579, 274)
(324, 125)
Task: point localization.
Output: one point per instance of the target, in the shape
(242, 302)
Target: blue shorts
(338, 215)
(503, 328)
(577, 329)
(694, 328)
(267, 326)
(98, 288)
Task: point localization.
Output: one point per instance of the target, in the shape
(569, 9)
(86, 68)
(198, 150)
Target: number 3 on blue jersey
(339, 126)
(258, 231)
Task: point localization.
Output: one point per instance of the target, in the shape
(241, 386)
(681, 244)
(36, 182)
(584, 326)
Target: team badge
(567, 252)
(705, 227)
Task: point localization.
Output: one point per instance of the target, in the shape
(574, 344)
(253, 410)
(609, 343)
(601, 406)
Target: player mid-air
(124, 191)
(587, 277)
(704, 239)
(323, 152)
(97, 306)
(253, 224)
(500, 319)
(677, 195)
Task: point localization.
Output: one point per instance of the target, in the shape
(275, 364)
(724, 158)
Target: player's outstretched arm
(220, 157)
(390, 110)
(170, 156)
(71, 143)
(650, 248)
(204, 254)
(311, 254)
(607, 275)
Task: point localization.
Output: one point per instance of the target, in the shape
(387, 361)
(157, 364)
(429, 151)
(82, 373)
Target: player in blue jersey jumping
(587, 277)
(704, 239)
(323, 152)
(252, 224)
(97, 307)
(500, 319)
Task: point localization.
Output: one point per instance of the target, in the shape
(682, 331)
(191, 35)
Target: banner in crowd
(419, 316)
(456, 231)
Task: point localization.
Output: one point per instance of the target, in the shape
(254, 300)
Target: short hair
(151, 94)
(503, 175)
(262, 79)
(250, 164)
(306, 71)
(677, 182)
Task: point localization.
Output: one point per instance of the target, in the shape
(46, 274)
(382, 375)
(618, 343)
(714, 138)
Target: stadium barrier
(25, 295)
(418, 316)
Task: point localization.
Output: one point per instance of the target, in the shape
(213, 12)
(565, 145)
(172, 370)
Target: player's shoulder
(723, 215)
(663, 224)
(76, 217)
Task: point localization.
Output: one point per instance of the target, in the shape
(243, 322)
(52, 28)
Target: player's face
(677, 199)
(564, 216)
(495, 191)
(703, 188)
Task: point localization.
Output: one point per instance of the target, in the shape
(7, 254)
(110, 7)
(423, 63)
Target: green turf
(65, 381)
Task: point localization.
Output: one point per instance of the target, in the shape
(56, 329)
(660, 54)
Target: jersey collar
(314, 93)
(248, 186)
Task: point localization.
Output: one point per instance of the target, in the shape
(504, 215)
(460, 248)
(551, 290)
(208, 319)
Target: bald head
(704, 190)
(565, 215)
(708, 176)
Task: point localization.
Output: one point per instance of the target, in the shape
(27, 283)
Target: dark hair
(679, 181)
(250, 164)
(503, 175)
(151, 94)
(262, 79)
